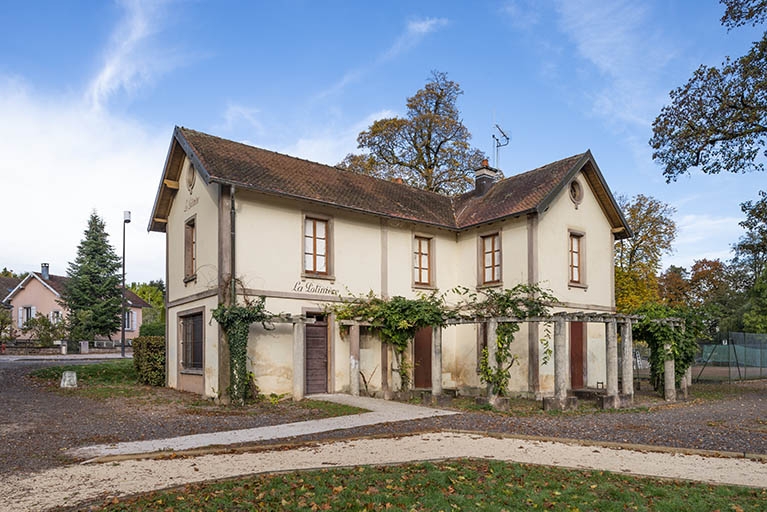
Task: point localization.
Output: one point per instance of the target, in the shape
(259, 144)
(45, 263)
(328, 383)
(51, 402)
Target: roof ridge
(334, 167)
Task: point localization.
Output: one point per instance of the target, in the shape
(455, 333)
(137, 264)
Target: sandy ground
(71, 485)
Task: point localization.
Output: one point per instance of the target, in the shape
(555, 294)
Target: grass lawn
(117, 379)
(449, 485)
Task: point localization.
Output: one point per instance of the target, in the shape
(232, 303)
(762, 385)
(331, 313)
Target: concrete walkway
(381, 411)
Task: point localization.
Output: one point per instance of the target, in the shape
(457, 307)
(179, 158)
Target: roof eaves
(501, 218)
(554, 192)
(627, 231)
(334, 205)
(191, 153)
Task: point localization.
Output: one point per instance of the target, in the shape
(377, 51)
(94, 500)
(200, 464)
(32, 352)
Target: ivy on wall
(522, 302)
(396, 320)
(235, 319)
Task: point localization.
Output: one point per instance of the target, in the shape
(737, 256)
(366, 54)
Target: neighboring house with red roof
(303, 234)
(40, 293)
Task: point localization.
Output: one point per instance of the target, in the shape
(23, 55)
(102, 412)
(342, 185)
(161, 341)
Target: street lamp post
(126, 220)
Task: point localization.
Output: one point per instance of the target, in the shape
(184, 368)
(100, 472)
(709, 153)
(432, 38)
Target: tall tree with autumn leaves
(638, 259)
(717, 121)
(428, 148)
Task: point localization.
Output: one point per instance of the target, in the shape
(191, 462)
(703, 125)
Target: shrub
(149, 359)
(152, 329)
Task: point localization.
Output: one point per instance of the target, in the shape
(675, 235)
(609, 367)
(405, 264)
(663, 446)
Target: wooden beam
(160, 221)
(171, 184)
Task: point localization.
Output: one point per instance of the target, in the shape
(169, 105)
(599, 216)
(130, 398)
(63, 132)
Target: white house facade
(303, 234)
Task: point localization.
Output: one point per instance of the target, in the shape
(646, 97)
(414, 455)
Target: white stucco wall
(202, 204)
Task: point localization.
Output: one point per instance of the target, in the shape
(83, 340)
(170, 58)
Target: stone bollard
(69, 379)
(63, 348)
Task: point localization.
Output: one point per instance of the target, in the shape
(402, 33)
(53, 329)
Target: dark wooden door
(576, 355)
(422, 358)
(317, 356)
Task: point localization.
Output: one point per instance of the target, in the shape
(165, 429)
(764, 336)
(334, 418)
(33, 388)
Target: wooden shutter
(20, 318)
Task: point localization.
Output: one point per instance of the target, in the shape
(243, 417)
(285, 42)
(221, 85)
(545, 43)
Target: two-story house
(40, 293)
(303, 234)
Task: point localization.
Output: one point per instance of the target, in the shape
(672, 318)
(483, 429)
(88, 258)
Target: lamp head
(126, 217)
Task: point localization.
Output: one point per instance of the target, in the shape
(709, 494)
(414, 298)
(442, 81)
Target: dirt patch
(40, 421)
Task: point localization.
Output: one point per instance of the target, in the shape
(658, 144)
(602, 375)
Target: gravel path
(72, 485)
(38, 425)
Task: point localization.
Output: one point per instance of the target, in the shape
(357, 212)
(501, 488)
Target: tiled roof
(514, 195)
(274, 173)
(247, 167)
(58, 283)
(7, 284)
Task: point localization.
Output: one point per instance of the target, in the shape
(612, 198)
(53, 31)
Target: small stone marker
(69, 380)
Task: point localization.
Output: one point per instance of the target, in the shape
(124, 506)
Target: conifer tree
(92, 293)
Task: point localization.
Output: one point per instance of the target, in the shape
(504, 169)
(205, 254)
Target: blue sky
(90, 92)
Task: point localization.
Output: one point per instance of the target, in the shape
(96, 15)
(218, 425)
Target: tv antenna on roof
(500, 142)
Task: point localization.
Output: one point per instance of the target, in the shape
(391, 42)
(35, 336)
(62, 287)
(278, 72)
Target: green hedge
(149, 359)
(152, 329)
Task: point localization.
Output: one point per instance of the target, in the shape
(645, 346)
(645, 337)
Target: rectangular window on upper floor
(423, 262)
(490, 259)
(317, 254)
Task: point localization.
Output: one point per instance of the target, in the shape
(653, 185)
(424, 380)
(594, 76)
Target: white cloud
(62, 160)
(698, 234)
(130, 61)
(415, 32)
(627, 52)
(235, 116)
(66, 155)
(331, 146)
(523, 14)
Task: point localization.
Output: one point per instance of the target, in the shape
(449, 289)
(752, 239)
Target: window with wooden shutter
(190, 250)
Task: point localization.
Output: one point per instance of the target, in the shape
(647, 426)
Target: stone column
(491, 326)
(436, 361)
(385, 371)
(669, 381)
(299, 360)
(354, 359)
(560, 359)
(627, 362)
(611, 333)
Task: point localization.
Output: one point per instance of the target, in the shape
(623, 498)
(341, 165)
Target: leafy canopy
(428, 148)
(638, 259)
(717, 121)
(92, 293)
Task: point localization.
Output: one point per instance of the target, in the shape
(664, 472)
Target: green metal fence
(732, 356)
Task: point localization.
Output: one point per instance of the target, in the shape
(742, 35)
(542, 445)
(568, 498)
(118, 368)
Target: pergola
(614, 397)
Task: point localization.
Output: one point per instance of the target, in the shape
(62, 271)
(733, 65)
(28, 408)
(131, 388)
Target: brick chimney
(44, 271)
(485, 177)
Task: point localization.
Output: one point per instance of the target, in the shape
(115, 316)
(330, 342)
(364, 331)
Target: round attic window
(191, 176)
(576, 192)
